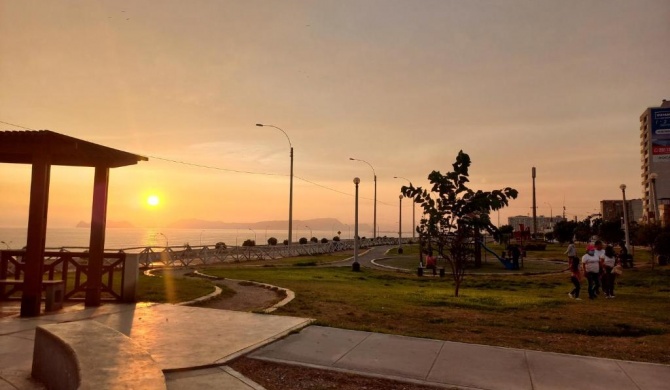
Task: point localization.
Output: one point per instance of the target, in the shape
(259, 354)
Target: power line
(233, 170)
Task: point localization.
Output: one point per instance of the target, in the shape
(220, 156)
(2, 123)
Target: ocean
(127, 238)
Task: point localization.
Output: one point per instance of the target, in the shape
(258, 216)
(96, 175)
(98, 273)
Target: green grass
(514, 311)
(168, 289)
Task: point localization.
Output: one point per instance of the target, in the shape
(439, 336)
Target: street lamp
(400, 225)
(254, 235)
(625, 218)
(310, 232)
(6, 244)
(652, 189)
(356, 266)
(374, 219)
(167, 243)
(551, 213)
(290, 197)
(413, 209)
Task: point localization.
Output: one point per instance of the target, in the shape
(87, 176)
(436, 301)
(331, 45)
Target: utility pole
(534, 207)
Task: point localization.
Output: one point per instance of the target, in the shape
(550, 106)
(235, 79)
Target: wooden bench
(89, 355)
(54, 291)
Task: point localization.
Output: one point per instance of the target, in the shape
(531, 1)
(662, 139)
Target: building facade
(612, 210)
(655, 159)
(544, 224)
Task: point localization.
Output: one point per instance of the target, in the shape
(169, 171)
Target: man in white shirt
(600, 254)
(591, 265)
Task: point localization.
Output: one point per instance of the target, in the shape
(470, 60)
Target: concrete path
(450, 364)
(179, 338)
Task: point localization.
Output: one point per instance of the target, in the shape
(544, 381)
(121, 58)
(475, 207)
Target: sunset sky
(404, 85)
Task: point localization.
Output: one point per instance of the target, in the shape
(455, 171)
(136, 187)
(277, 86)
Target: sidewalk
(451, 364)
(186, 342)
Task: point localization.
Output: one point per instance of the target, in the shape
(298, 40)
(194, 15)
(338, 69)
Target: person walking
(599, 252)
(571, 252)
(608, 276)
(591, 267)
(575, 277)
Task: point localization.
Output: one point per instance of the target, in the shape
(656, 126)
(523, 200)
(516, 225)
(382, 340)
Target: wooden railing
(71, 267)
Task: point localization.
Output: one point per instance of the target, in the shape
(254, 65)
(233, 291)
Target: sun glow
(153, 200)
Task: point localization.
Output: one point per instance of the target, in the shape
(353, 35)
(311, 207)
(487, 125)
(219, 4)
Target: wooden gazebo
(42, 149)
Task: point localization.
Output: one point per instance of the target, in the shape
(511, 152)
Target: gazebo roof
(22, 147)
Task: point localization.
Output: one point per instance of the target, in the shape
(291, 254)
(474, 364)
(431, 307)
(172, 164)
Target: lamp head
(259, 124)
(357, 180)
(623, 187)
(351, 158)
(400, 197)
(653, 176)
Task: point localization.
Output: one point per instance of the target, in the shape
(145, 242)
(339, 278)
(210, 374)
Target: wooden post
(31, 299)
(97, 242)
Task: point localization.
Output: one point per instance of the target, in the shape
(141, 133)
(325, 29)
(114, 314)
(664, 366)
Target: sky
(403, 85)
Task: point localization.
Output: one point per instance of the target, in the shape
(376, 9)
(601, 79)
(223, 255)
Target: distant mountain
(314, 224)
(110, 224)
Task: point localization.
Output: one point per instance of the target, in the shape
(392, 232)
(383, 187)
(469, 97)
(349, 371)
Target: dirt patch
(275, 376)
(247, 297)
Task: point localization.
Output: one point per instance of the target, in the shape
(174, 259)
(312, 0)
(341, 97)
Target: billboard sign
(660, 134)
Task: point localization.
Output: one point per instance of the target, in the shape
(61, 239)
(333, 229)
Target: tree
(272, 241)
(324, 240)
(506, 232)
(302, 241)
(647, 234)
(583, 230)
(610, 231)
(564, 231)
(453, 213)
(662, 247)
(249, 242)
(336, 238)
(314, 240)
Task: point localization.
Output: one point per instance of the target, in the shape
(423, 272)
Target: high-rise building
(655, 158)
(544, 224)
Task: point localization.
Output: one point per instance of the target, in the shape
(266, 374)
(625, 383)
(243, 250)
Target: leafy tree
(564, 231)
(302, 241)
(662, 247)
(249, 242)
(272, 241)
(549, 236)
(610, 231)
(647, 235)
(583, 230)
(453, 213)
(506, 233)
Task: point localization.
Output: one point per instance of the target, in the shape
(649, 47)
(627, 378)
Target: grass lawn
(518, 311)
(165, 288)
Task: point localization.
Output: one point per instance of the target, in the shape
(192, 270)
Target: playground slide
(506, 262)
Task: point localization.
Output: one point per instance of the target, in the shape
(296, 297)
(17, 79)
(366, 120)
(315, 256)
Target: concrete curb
(242, 378)
(205, 298)
(290, 295)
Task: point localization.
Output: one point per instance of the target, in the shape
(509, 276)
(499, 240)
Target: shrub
(336, 238)
(324, 240)
(249, 242)
(285, 242)
(302, 241)
(273, 241)
(314, 240)
(220, 245)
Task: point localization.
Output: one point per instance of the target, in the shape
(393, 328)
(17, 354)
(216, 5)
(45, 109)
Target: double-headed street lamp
(413, 208)
(374, 219)
(290, 197)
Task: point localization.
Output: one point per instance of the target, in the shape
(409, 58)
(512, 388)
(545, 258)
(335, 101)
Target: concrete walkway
(196, 342)
(450, 364)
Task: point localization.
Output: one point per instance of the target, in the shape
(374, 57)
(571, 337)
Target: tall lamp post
(167, 243)
(290, 197)
(400, 225)
(413, 209)
(551, 214)
(310, 232)
(374, 216)
(254, 235)
(356, 266)
(625, 218)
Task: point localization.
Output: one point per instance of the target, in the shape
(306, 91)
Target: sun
(153, 200)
